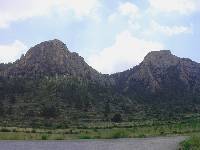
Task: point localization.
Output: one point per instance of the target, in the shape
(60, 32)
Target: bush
(162, 132)
(44, 137)
(119, 134)
(141, 136)
(85, 137)
(49, 132)
(95, 130)
(33, 131)
(186, 146)
(192, 143)
(14, 130)
(5, 130)
(117, 118)
(49, 111)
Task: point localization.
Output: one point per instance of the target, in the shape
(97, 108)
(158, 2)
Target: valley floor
(104, 131)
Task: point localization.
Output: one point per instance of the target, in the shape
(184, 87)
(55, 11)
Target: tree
(107, 109)
(117, 118)
(49, 111)
(1, 109)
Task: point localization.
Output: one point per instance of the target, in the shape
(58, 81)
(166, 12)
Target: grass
(44, 137)
(193, 143)
(84, 136)
(119, 134)
(104, 131)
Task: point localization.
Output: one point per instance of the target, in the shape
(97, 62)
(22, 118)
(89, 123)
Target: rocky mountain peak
(51, 58)
(162, 58)
(51, 49)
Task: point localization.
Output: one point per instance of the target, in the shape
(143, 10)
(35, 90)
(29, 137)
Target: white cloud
(126, 52)
(125, 9)
(180, 6)
(14, 10)
(112, 17)
(11, 52)
(129, 9)
(169, 30)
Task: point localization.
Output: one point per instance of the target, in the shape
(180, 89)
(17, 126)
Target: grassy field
(104, 130)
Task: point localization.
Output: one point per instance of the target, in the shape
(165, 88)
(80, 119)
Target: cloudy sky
(112, 35)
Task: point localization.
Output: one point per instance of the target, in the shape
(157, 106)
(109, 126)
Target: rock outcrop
(160, 70)
(51, 58)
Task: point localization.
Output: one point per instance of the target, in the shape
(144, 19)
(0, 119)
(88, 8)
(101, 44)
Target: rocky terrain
(50, 82)
(51, 58)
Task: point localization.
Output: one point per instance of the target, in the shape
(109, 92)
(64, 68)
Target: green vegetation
(64, 101)
(54, 89)
(57, 102)
(193, 143)
(104, 130)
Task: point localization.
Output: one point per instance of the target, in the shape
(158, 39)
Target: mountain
(50, 82)
(51, 86)
(163, 82)
(51, 58)
(159, 70)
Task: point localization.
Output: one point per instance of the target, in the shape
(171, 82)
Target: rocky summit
(161, 59)
(160, 70)
(51, 58)
(51, 83)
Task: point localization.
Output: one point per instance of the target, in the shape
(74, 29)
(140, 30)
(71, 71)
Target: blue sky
(112, 35)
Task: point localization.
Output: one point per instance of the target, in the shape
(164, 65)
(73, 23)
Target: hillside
(166, 84)
(51, 86)
(51, 58)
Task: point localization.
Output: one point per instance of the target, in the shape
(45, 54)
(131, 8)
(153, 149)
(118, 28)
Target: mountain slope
(160, 70)
(163, 83)
(52, 83)
(51, 58)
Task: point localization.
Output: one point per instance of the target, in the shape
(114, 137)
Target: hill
(51, 86)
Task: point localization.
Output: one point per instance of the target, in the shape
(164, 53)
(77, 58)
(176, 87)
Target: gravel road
(155, 143)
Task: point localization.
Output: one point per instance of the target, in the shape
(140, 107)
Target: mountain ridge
(51, 58)
(148, 58)
(50, 82)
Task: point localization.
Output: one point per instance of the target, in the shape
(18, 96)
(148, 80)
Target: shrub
(85, 137)
(95, 130)
(186, 145)
(192, 143)
(33, 131)
(117, 118)
(44, 137)
(49, 132)
(141, 136)
(5, 130)
(162, 132)
(14, 130)
(119, 134)
(49, 111)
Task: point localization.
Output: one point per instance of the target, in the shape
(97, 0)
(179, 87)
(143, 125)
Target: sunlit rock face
(51, 58)
(159, 71)
(161, 59)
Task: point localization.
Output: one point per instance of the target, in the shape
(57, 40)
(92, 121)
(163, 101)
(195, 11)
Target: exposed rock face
(159, 71)
(161, 59)
(51, 58)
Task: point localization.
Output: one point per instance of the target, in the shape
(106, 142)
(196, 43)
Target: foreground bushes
(193, 143)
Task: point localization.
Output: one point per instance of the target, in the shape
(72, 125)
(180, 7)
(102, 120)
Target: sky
(112, 35)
